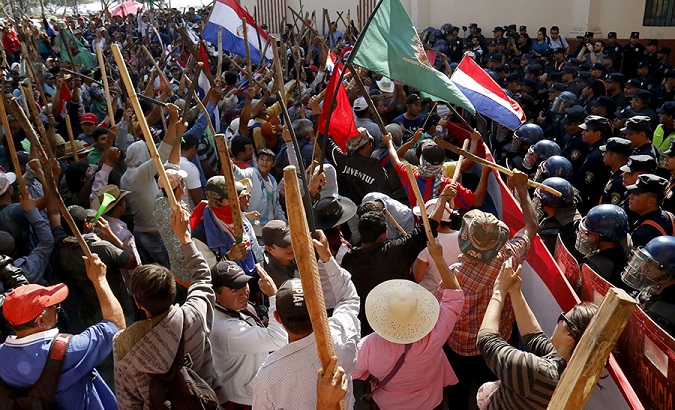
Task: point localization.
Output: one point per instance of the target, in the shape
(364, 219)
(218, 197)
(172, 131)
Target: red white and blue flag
(228, 14)
(486, 95)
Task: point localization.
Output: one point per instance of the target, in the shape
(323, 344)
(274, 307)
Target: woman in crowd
(526, 379)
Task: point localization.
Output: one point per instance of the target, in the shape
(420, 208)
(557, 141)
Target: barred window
(659, 13)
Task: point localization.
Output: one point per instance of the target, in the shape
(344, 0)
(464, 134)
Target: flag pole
(371, 105)
(306, 200)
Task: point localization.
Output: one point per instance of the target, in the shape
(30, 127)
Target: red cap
(25, 303)
(89, 118)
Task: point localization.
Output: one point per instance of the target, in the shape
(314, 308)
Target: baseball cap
(653, 42)
(432, 153)
(618, 145)
(216, 188)
(670, 74)
(648, 183)
(644, 95)
(640, 163)
(625, 113)
(6, 179)
(482, 235)
(668, 107)
(175, 177)
(80, 214)
(360, 104)
(277, 233)
(88, 118)
(575, 113)
(670, 151)
(611, 34)
(595, 123)
(500, 29)
(430, 206)
(637, 123)
(360, 140)
(615, 77)
(557, 87)
(635, 34)
(25, 303)
(230, 275)
(413, 99)
(291, 303)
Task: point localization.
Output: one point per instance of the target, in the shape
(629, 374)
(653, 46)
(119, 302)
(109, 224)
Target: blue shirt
(80, 385)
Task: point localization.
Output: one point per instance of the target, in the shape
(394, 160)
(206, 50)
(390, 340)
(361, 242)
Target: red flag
(341, 123)
(64, 96)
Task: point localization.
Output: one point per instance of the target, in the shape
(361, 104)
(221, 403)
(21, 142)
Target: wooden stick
(71, 138)
(249, 65)
(71, 72)
(202, 108)
(232, 195)
(458, 164)
(307, 265)
(219, 69)
(20, 116)
(154, 64)
(364, 93)
(396, 224)
(32, 107)
(590, 356)
(191, 91)
(12, 148)
(187, 42)
(420, 202)
(492, 165)
(124, 74)
(104, 77)
(462, 119)
(251, 78)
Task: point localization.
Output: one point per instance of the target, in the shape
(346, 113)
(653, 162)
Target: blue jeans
(151, 249)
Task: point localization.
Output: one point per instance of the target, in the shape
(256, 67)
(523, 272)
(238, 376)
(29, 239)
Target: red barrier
(644, 351)
(568, 264)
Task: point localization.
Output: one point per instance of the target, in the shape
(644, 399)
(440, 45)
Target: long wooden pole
(21, 117)
(220, 52)
(202, 107)
(187, 42)
(71, 138)
(395, 222)
(490, 164)
(460, 160)
(124, 74)
(232, 195)
(590, 356)
(307, 265)
(12, 148)
(32, 107)
(191, 90)
(249, 65)
(420, 202)
(366, 96)
(160, 73)
(104, 77)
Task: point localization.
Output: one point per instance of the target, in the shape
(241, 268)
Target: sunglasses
(570, 325)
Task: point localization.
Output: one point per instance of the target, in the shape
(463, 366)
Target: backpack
(181, 387)
(41, 394)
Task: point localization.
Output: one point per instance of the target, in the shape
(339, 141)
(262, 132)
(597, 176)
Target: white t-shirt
(192, 181)
(451, 252)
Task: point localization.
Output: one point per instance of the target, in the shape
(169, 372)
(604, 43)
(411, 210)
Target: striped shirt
(529, 378)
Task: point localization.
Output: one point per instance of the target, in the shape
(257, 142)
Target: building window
(659, 13)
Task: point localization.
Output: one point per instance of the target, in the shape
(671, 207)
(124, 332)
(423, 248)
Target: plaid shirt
(477, 279)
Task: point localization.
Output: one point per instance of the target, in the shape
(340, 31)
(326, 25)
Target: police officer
(614, 49)
(647, 81)
(593, 173)
(615, 155)
(614, 85)
(633, 53)
(620, 118)
(537, 153)
(664, 92)
(524, 137)
(560, 214)
(638, 131)
(637, 165)
(602, 239)
(645, 198)
(652, 269)
(571, 143)
(639, 102)
(555, 166)
(669, 199)
(663, 64)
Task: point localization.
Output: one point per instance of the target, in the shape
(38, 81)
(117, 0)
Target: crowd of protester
(164, 283)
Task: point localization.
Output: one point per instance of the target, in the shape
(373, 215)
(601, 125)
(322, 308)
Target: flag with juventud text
(341, 122)
(389, 45)
(486, 95)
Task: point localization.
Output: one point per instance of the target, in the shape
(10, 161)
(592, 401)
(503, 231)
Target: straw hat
(80, 148)
(401, 311)
(113, 190)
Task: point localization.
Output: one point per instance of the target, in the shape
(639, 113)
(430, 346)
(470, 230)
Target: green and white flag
(389, 45)
(81, 55)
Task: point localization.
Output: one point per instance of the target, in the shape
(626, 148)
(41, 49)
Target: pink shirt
(419, 382)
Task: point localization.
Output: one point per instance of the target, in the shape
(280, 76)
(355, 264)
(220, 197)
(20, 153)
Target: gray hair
(302, 127)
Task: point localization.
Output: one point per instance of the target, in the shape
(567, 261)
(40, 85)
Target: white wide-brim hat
(401, 311)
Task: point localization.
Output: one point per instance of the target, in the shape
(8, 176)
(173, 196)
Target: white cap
(360, 104)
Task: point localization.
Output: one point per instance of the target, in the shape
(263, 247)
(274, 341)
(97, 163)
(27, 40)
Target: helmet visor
(643, 271)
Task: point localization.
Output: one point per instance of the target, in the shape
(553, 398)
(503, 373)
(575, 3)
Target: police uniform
(573, 147)
(641, 124)
(615, 50)
(661, 309)
(609, 264)
(654, 223)
(615, 191)
(593, 173)
(632, 55)
(669, 199)
(636, 163)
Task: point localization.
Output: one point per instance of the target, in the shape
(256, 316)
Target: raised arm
(519, 180)
(110, 306)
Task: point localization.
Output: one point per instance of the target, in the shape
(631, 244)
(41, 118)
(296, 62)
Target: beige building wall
(574, 17)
